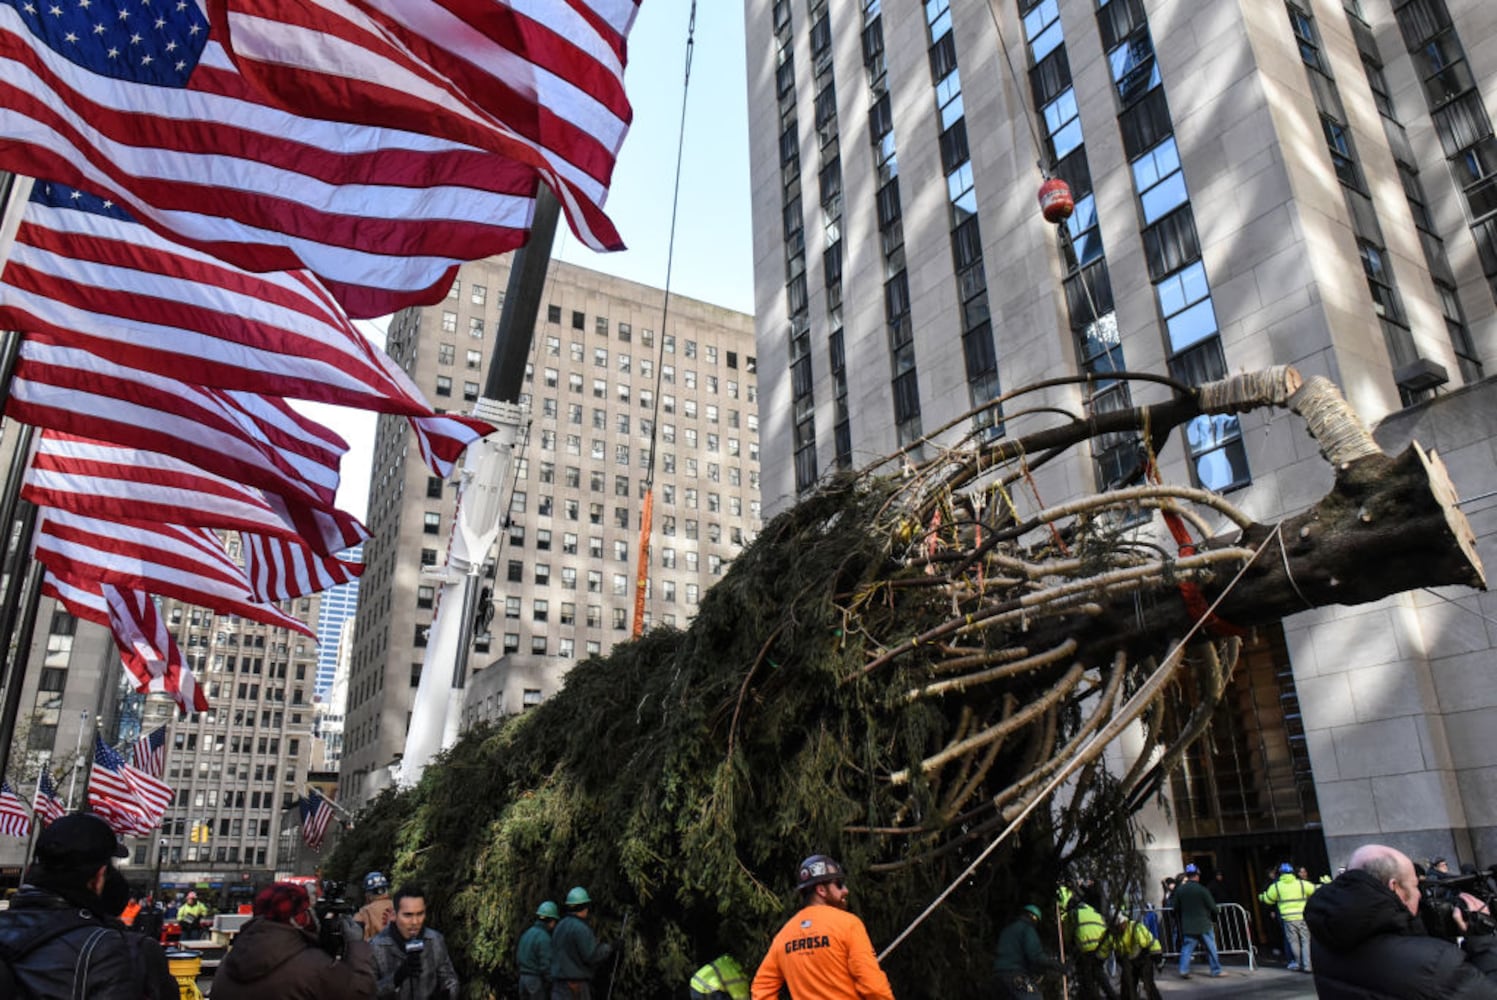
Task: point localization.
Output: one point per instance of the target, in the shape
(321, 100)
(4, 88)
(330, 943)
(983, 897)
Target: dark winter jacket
(575, 950)
(274, 959)
(1019, 949)
(1366, 945)
(438, 979)
(1194, 907)
(55, 948)
(534, 953)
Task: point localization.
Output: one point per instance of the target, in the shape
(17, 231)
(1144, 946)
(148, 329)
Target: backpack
(11, 958)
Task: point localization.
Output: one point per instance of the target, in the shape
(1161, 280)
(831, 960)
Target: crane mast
(482, 501)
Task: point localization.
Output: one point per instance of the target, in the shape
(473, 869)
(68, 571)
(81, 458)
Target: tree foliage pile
(899, 672)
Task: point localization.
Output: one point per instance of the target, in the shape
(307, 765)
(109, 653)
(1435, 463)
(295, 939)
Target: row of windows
(1087, 286)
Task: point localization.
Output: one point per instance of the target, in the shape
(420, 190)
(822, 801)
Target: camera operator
(410, 959)
(281, 954)
(1369, 942)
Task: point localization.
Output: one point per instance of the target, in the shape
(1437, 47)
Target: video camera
(1442, 896)
(331, 910)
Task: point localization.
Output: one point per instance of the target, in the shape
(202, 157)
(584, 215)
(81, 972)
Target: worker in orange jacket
(823, 952)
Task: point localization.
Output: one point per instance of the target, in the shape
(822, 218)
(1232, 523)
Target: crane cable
(642, 574)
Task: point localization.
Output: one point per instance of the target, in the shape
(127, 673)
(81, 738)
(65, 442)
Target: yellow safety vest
(723, 974)
(1130, 941)
(1087, 928)
(1289, 894)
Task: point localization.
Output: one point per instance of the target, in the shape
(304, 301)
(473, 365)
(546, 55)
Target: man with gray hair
(1368, 941)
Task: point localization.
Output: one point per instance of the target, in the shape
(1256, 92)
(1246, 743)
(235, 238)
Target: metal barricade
(1233, 932)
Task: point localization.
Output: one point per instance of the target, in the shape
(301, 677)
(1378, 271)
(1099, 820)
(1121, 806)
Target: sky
(713, 258)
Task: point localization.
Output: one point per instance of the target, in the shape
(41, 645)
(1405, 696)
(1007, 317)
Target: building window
(431, 523)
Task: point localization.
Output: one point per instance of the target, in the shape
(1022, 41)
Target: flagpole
(77, 752)
(36, 817)
(14, 655)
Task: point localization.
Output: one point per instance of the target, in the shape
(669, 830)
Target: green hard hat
(548, 911)
(578, 897)
(1035, 910)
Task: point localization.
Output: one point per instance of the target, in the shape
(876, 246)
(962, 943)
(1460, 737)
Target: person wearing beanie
(61, 936)
(277, 954)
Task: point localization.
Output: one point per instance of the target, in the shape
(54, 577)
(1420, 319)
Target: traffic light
(200, 832)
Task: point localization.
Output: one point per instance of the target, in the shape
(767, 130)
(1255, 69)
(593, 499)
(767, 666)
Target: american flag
(46, 803)
(189, 564)
(149, 653)
(150, 752)
(279, 570)
(84, 274)
(119, 483)
(256, 440)
(115, 793)
(15, 821)
(441, 439)
(539, 84)
(142, 104)
(315, 816)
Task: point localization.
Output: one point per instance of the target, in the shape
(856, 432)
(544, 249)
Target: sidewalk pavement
(1236, 981)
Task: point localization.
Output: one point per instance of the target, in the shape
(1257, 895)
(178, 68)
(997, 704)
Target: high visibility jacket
(1288, 894)
(721, 975)
(1087, 928)
(822, 953)
(1129, 941)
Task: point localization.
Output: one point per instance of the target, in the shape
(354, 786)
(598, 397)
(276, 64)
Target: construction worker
(823, 952)
(1289, 893)
(1137, 952)
(533, 956)
(191, 915)
(1085, 929)
(720, 979)
(1020, 958)
(377, 908)
(576, 952)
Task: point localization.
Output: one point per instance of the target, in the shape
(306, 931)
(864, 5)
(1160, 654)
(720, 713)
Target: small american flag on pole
(315, 815)
(132, 802)
(45, 803)
(15, 821)
(150, 752)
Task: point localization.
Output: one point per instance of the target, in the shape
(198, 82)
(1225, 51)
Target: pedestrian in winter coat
(277, 955)
(576, 952)
(1369, 943)
(192, 915)
(533, 955)
(1195, 910)
(1021, 959)
(60, 936)
(410, 959)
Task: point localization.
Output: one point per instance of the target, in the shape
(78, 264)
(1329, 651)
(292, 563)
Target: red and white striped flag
(186, 563)
(46, 804)
(15, 821)
(315, 816)
(279, 570)
(130, 801)
(441, 439)
(150, 752)
(119, 483)
(85, 276)
(263, 443)
(147, 650)
(192, 149)
(540, 84)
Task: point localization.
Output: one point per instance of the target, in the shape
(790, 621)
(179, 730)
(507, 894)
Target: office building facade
(605, 381)
(1309, 183)
(337, 606)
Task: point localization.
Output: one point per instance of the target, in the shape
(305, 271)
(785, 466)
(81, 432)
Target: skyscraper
(606, 385)
(1254, 184)
(337, 606)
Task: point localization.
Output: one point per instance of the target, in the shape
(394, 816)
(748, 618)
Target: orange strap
(1190, 591)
